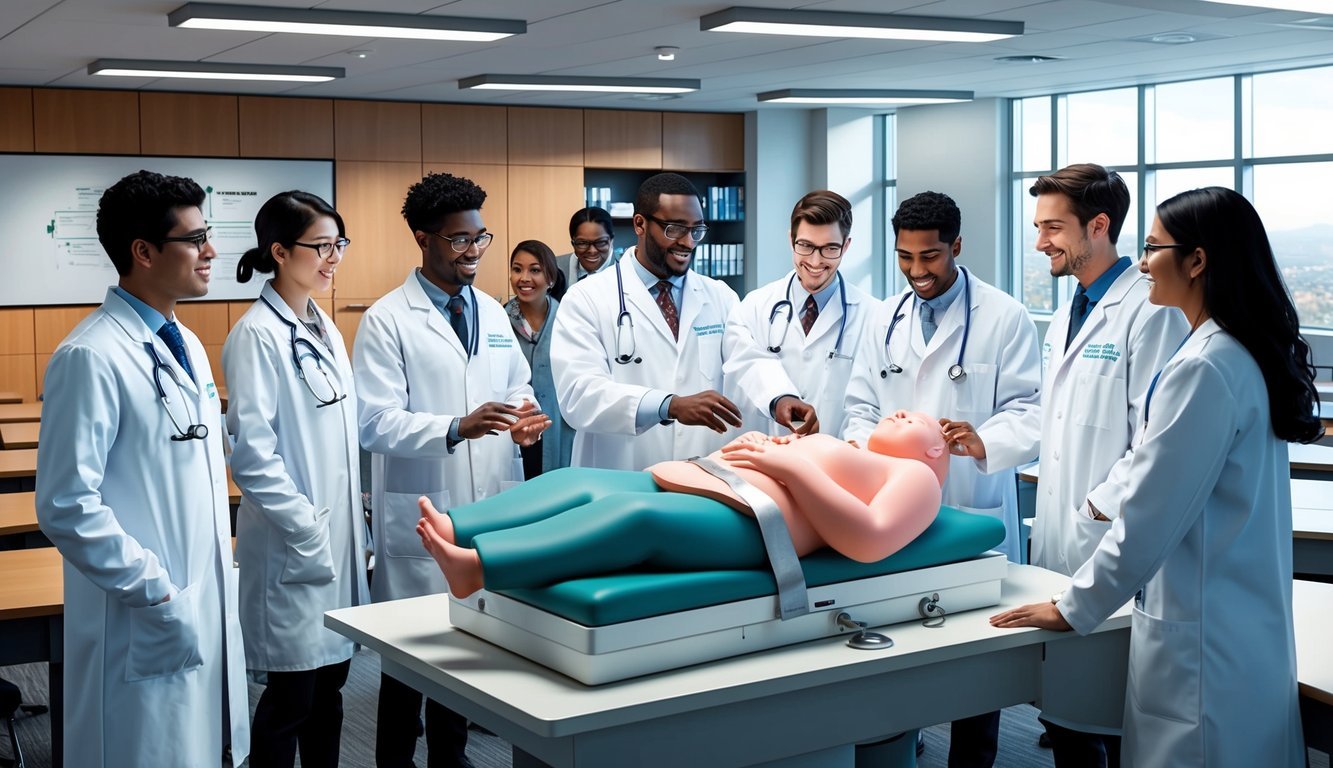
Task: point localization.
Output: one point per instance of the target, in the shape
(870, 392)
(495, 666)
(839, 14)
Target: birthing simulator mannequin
(574, 523)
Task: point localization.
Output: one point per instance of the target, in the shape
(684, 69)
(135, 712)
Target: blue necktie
(1078, 312)
(928, 326)
(458, 319)
(176, 343)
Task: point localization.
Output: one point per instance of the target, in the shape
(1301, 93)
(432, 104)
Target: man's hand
(705, 409)
(1043, 615)
(530, 425)
(489, 419)
(789, 410)
(962, 439)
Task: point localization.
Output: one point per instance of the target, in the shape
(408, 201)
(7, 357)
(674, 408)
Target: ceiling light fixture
(666, 52)
(209, 70)
(258, 18)
(566, 83)
(1026, 58)
(875, 97)
(1302, 6)
(773, 21)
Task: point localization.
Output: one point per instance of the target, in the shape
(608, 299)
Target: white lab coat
(999, 391)
(413, 378)
(806, 366)
(1206, 524)
(1092, 400)
(600, 397)
(300, 536)
(138, 517)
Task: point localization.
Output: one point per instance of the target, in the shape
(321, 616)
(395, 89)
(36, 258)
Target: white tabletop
(1313, 604)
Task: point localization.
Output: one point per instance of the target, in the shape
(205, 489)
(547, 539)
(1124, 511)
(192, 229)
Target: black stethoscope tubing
(787, 304)
(956, 371)
(296, 353)
(623, 356)
(191, 431)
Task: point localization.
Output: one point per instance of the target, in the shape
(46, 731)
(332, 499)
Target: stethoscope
(191, 431)
(301, 349)
(624, 352)
(956, 372)
(776, 337)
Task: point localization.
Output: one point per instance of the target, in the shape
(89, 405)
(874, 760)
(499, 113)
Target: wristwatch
(1055, 598)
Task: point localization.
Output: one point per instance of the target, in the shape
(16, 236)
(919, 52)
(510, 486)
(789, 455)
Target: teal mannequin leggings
(575, 522)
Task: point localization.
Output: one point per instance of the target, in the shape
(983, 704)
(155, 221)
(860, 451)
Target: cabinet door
(621, 139)
(541, 200)
(188, 124)
(16, 120)
(100, 122)
(545, 136)
(377, 130)
(278, 127)
(370, 200)
(464, 133)
(696, 141)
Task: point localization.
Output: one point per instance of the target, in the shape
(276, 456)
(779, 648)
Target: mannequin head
(911, 435)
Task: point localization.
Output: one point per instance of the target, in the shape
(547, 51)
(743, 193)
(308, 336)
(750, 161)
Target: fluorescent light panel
(208, 70)
(255, 18)
(588, 84)
(871, 96)
(1303, 6)
(773, 21)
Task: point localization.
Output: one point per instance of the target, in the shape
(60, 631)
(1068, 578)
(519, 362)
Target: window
(1261, 134)
(892, 281)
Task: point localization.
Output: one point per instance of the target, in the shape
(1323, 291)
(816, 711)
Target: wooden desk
(32, 610)
(812, 699)
(22, 434)
(16, 412)
(19, 463)
(18, 513)
(7, 398)
(1312, 604)
(1312, 527)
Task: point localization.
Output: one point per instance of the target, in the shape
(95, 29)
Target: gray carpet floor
(1018, 727)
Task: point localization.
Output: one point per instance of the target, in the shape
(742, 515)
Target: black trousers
(398, 724)
(973, 741)
(302, 709)
(1076, 749)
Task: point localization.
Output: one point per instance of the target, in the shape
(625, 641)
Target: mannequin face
(911, 435)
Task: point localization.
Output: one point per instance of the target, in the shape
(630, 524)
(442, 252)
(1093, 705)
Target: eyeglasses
(677, 231)
(461, 243)
(1152, 247)
(600, 244)
(325, 250)
(832, 251)
(198, 239)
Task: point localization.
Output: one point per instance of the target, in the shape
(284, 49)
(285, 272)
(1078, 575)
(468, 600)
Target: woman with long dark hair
(532, 271)
(300, 536)
(1203, 542)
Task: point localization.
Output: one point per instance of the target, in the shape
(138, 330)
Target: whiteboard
(49, 252)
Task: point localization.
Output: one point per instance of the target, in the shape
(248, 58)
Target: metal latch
(863, 640)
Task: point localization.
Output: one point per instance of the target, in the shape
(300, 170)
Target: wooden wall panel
(235, 309)
(272, 126)
(52, 324)
(347, 316)
(698, 141)
(464, 134)
(541, 200)
(18, 373)
(16, 120)
(622, 139)
(207, 319)
(370, 199)
(214, 352)
(16, 333)
(188, 124)
(545, 136)
(377, 130)
(94, 122)
(493, 271)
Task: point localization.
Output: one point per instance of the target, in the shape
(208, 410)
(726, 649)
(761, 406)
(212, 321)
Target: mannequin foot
(442, 523)
(461, 567)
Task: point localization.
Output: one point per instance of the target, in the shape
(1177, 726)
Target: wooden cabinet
(272, 126)
(92, 122)
(347, 316)
(541, 200)
(52, 324)
(188, 124)
(545, 136)
(621, 139)
(16, 120)
(695, 141)
(18, 373)
(370, 199)
(464, 133)
(16, 333)
(377, 130)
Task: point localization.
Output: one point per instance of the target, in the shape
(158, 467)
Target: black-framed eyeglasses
(831, 252)
(198, 239)
(461, 243)
(600, 244)
(325, 250)
(1153, 247)
(677, 231)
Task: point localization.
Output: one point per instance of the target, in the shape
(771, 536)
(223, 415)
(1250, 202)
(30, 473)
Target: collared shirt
(1102, 284)
(440, 299)
(655, 404)
(940, 304)
(650, 282)
(799, 294)
(151, 317)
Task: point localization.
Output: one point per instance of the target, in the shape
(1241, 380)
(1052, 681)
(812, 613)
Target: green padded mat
(601, 600)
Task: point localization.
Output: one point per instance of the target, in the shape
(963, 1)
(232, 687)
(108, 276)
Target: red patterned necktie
(809, 314)
(668, 307)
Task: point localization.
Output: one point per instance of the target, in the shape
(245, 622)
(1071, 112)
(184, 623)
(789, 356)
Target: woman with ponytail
(299, 531)
(1203, 543)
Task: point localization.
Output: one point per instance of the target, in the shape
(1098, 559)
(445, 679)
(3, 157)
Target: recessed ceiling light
(869, 97)
(361, 53)
(1172, 38)
(1026, 59)
(571, 83)
(774, 21)
(256, 18)
(207, 70)
(666, 52)
(1304, 6)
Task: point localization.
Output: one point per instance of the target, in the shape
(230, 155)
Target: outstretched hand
(705, 409)
(773, 457)
(962, 439)
(530, 424)
(1042, 615)
(796, 414)
(488, 419)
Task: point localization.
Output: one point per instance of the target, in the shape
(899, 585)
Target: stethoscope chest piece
(956, 372)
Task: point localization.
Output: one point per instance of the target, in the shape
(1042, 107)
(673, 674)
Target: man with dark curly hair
(444, 406)
(131, 488)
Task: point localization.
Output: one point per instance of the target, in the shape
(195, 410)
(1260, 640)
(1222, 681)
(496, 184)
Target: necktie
(176, 343)
(1078, 312)
(927, 321)
(809, 314)
(458, 319)
(668, 307)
